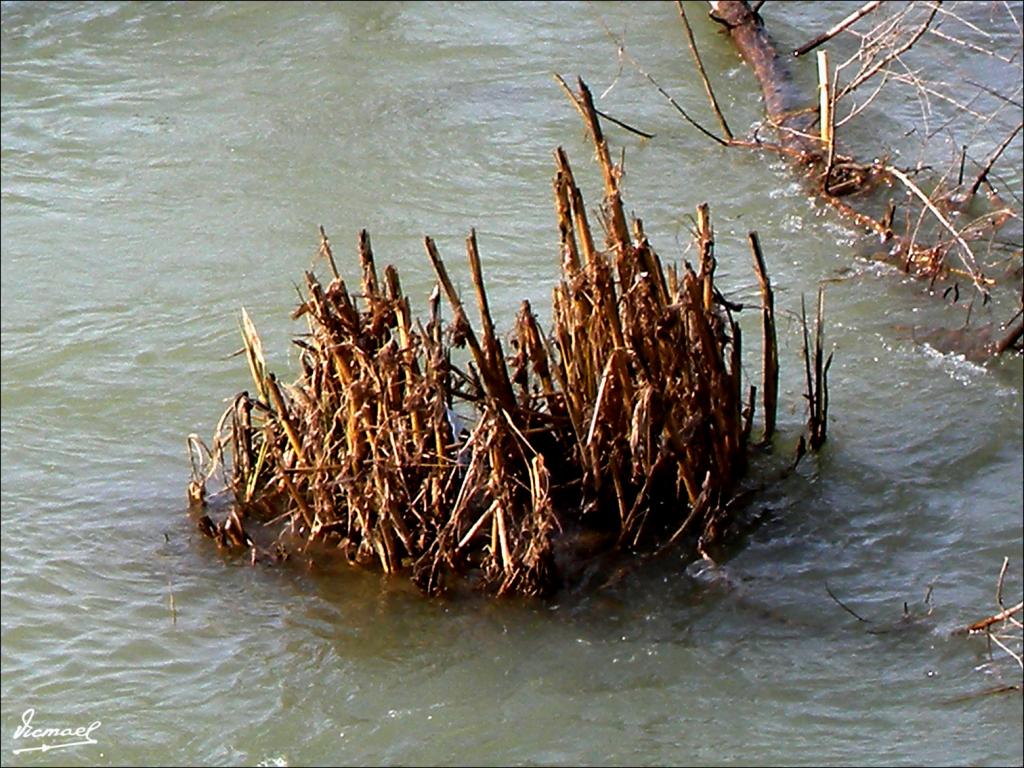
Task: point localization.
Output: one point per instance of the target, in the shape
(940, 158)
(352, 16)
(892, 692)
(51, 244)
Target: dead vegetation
(1005, 632)
(626, 426)
(959, 225)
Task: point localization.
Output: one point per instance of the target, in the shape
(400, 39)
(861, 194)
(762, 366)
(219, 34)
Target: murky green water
(163, 165)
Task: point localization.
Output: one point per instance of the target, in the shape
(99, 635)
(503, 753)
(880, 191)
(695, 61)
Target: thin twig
(845, 607)
(1015, 656)
(992, 159)
(967, 258)
(871, 71)
(703, 74)
(621, 124)
(831, 32)
(965, 44)
(685, 115)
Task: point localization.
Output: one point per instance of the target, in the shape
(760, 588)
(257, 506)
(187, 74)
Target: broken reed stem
(370, 285)
(824, 100)
(584, 102)
(282, 415)
(830, 131)
(770, 369)
(326, 253)
(254, 355)
(706, 247)
(821, 370)
(492, 383)
(816, 370)
(491, 346)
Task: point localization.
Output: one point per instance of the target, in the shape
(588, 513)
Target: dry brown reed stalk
(816, 367)
(627, 419)
(770, 375)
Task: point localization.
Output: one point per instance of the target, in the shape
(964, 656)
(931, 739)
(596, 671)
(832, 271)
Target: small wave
(955, 364)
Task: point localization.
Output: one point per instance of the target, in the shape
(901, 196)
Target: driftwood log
(807, 134)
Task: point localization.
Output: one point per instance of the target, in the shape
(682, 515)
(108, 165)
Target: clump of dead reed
(629, 418)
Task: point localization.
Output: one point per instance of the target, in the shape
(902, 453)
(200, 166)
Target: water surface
(164, 165)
